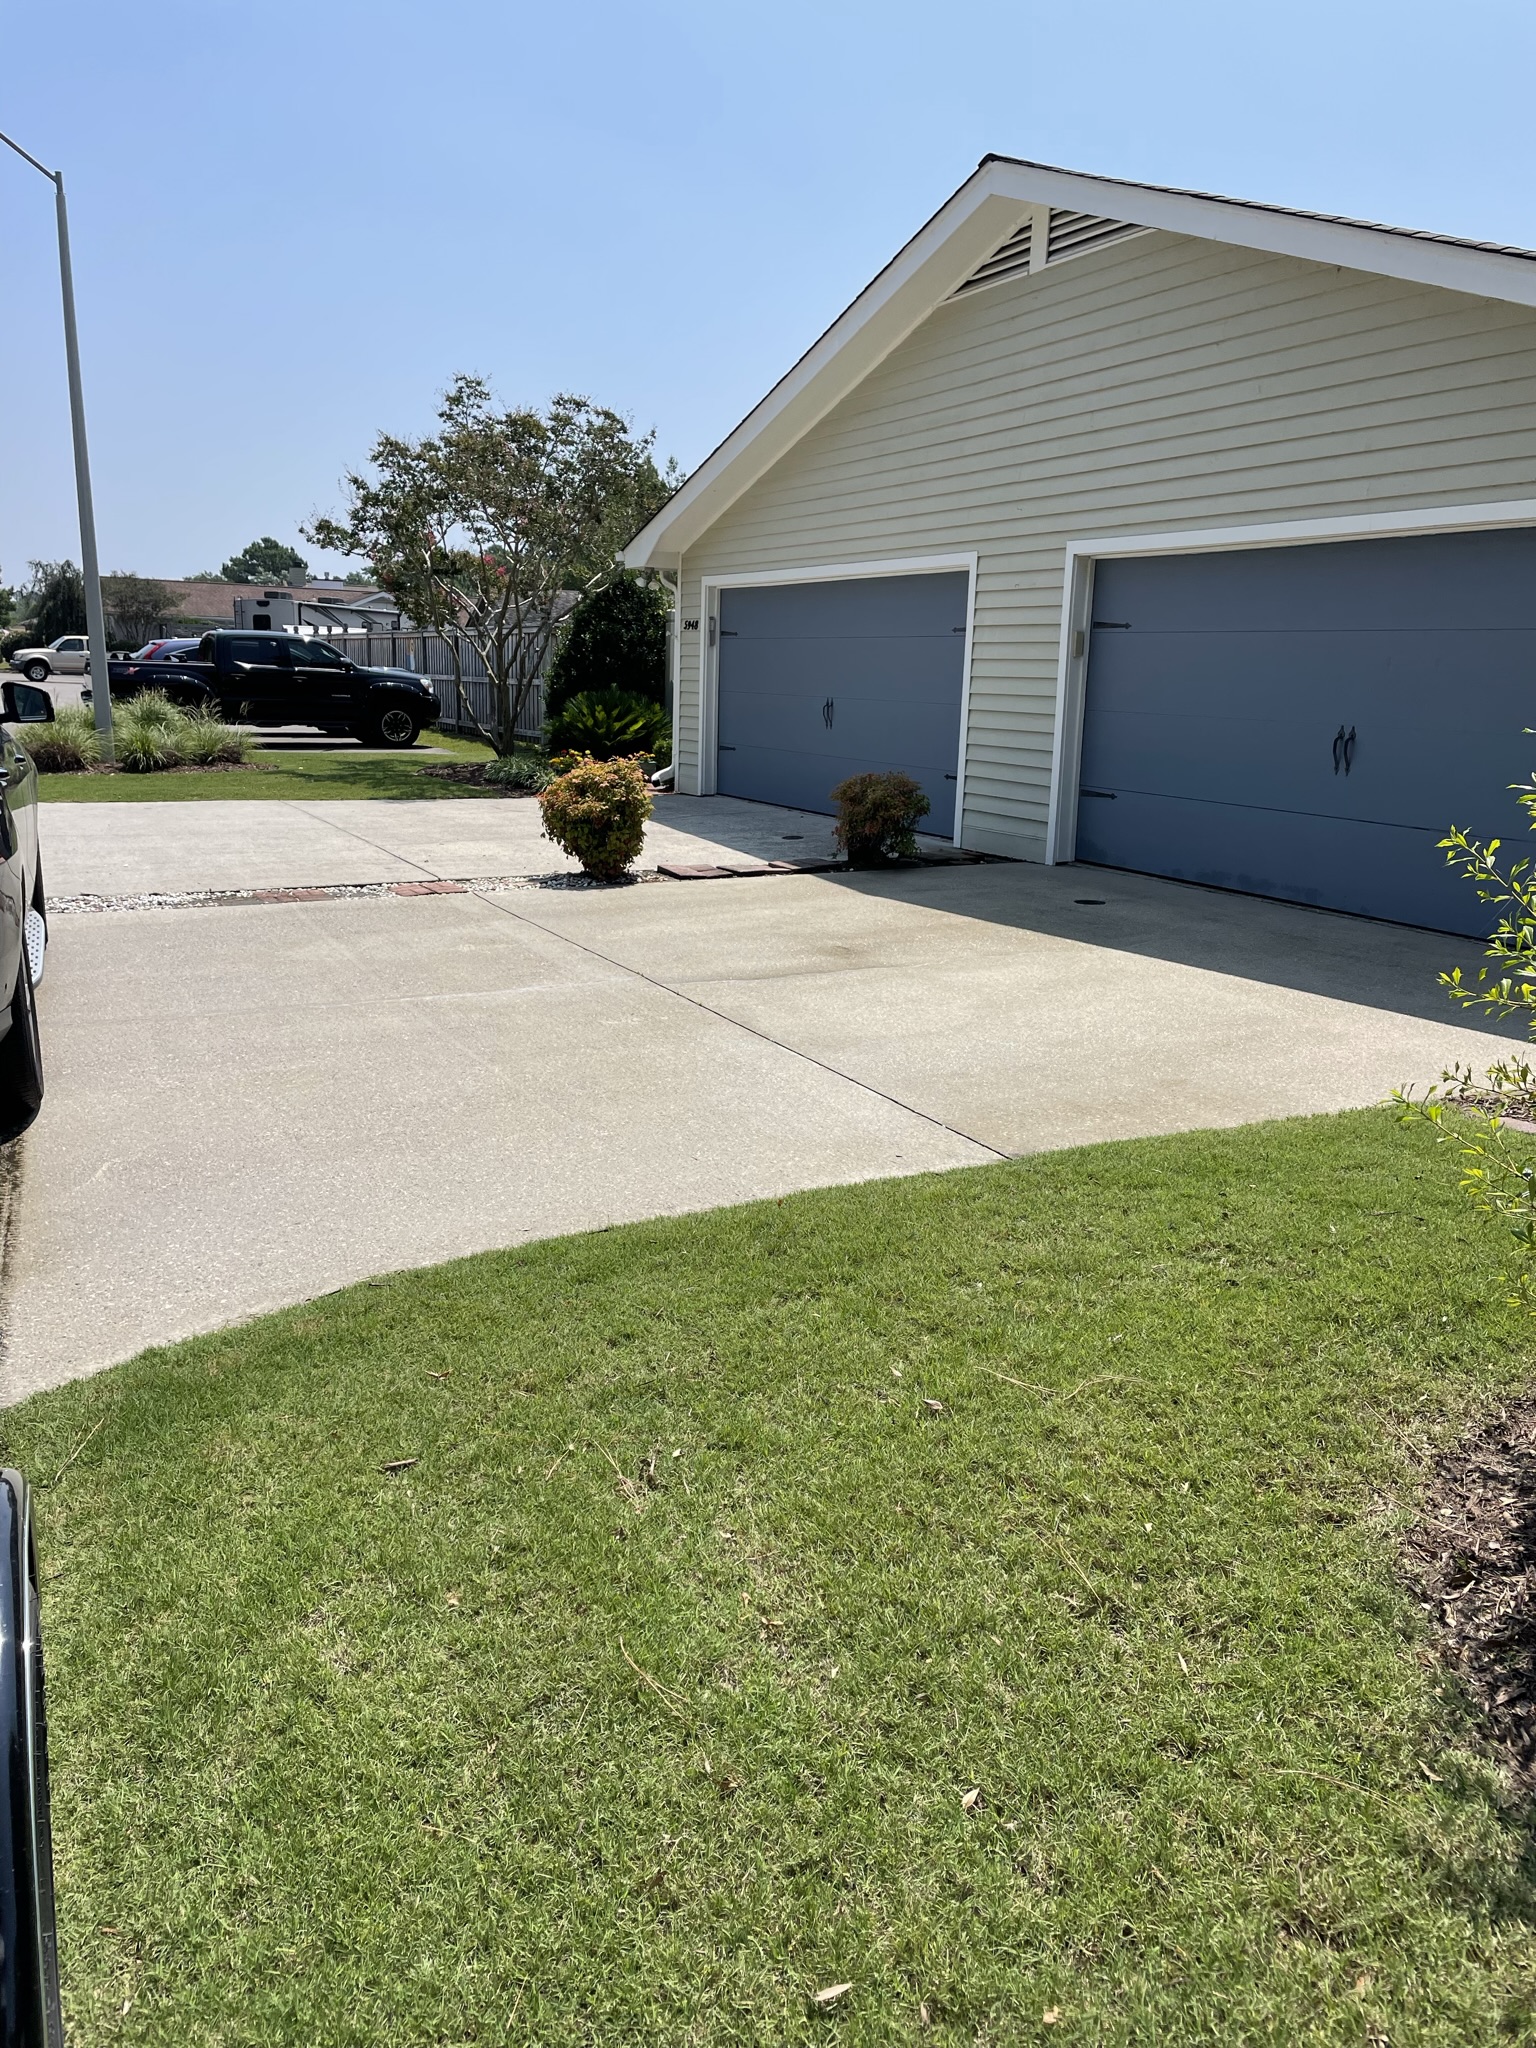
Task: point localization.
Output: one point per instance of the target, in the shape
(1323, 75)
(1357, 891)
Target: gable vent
(1074, 234)
(1012, 260)
(1070, 234)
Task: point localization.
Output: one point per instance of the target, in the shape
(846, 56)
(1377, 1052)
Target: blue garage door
(819, 681)
(1307, 722)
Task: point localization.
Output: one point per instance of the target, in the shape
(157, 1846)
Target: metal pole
(90, 568)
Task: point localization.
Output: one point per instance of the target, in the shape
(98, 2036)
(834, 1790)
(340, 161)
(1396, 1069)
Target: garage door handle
(1338, 749)
(1349, 751)
(828, 713)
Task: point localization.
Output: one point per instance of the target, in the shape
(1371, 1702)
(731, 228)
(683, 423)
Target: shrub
(596, 812)
(615, 639)
(522, 770)
(150, 732)
(144, 733)
(609, 725)
(1496, 1171)
(66, 746)
(877, 816)
(203, 740)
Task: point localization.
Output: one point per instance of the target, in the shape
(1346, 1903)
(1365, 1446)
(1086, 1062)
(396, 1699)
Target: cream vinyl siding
(1162, 383)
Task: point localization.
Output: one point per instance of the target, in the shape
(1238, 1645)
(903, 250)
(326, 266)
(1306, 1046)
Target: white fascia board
(938, 259)
(970, 227)
(1454, 266)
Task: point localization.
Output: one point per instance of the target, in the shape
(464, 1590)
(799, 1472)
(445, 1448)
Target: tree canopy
(55, 600)
(485, 525)
(136, 604)
(266, 561)
(615, 639)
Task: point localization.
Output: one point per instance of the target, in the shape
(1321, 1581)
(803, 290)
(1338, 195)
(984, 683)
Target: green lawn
(338, 772)
(1076, 1480)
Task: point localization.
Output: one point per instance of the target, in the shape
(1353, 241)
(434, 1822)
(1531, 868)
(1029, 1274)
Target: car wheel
(35, 930)
(396, 727)
(37, 671)
(21, 1061)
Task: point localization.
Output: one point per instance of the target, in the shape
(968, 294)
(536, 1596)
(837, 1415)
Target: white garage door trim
(1077, 608)
(823, 572)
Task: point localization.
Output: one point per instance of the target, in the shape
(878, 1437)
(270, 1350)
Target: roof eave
(964, 232)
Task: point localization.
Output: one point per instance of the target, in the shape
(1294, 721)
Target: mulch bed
(181, 768)
(1472, 1562)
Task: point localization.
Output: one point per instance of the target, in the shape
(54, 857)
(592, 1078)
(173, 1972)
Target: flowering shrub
(596, 812)
(877, 817)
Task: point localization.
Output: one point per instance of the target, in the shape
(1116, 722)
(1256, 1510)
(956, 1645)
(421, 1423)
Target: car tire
(394, 726)
(21, 1060)
(37, 671)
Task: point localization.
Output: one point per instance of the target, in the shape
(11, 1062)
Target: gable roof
(970, 227)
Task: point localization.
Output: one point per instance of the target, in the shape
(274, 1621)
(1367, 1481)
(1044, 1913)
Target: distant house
(323, 607)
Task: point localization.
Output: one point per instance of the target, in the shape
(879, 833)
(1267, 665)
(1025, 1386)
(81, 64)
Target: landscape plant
(526, 769)
(610, 724)
(877, 817)
(68, 744)
(149, 732)
(596, 812)
(492, 528)
(1469, 1112)
(615, 639)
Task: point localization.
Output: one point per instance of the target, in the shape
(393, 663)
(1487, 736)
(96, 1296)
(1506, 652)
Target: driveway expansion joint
(753, 1031)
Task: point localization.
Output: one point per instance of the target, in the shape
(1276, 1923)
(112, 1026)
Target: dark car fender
(29, 1963)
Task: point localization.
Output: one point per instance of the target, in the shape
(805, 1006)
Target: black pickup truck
(286, 679)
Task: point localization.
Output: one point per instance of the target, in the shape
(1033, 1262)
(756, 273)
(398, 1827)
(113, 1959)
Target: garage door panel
(1447, 582)
(805, 780)
(1219, 684)
(1333, 863)
(821, 681)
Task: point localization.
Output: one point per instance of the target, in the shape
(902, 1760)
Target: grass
(276, 773)
(1076, 1480)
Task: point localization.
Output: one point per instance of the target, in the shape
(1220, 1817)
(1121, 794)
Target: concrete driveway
(249, 1105)
(106, 849)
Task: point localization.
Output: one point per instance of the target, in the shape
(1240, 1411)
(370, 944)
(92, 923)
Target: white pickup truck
(69, 655)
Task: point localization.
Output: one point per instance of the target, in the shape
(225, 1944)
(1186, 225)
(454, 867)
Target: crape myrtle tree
(136, 604)
(483, 528)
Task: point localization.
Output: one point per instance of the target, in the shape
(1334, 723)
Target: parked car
(30, 2016)
(23, 913)
(69, 655)
(166, 650)
(286, 679)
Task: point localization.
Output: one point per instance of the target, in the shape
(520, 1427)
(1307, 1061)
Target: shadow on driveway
(1322, 952)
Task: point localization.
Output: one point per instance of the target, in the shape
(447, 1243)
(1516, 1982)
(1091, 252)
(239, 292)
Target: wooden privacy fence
(429, 656)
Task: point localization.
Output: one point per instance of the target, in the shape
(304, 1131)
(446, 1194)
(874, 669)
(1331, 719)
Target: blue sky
(292, 224)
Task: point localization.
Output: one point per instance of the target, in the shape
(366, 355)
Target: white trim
(834, 572)
(1077, 606)
(972, 224)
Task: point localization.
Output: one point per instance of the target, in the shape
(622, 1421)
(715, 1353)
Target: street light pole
(90, 567)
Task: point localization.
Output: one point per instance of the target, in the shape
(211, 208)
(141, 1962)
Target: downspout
(666, 778)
